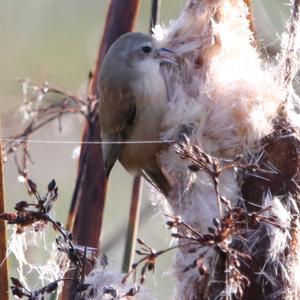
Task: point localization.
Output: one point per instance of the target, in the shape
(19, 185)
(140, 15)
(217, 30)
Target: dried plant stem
(155, 11)
(133, 223)
(290, 59)
(90, 190)
(144, 215)
(40, 115)
(91, 179)
(3, 245)
(91, 184)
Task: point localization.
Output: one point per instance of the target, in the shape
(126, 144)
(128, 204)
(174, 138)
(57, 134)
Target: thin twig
(133, 223)
(36, 214)
(115, 238)
(155, 12)
(290, 53)
(219, 239)
(45, 113)
(3, 240)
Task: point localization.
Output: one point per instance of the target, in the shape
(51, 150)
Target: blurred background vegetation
(57, 41)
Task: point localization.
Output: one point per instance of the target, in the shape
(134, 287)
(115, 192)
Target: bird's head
(134, 48)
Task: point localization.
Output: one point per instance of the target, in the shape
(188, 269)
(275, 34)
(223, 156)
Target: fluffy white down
(230, 98)
(280, 239)
(104, 279)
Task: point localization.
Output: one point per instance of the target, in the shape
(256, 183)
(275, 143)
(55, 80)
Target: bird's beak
(167, 56)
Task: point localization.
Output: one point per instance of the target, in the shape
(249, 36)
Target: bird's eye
(146, 49)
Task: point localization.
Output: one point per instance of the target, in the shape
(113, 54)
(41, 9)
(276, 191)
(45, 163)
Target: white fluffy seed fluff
(228, 97)
(23, 246)
(107, 284)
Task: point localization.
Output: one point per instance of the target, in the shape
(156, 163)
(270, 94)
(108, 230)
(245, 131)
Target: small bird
(133, 100)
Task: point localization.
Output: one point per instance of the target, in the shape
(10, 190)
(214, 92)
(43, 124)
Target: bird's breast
(151, 102)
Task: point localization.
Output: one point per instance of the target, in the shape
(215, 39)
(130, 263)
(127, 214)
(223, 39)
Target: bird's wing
(111, 151)
(117, 113)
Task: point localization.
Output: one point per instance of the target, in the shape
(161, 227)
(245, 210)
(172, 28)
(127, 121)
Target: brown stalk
(91, 184)
(290, 55)
(133, 223)
(3, 245)
(282, 152)
(144, 215)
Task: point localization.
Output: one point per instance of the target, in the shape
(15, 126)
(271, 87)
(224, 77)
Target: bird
(133, 99)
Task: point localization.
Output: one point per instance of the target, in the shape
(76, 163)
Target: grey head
(126, 53)
(133, 46)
